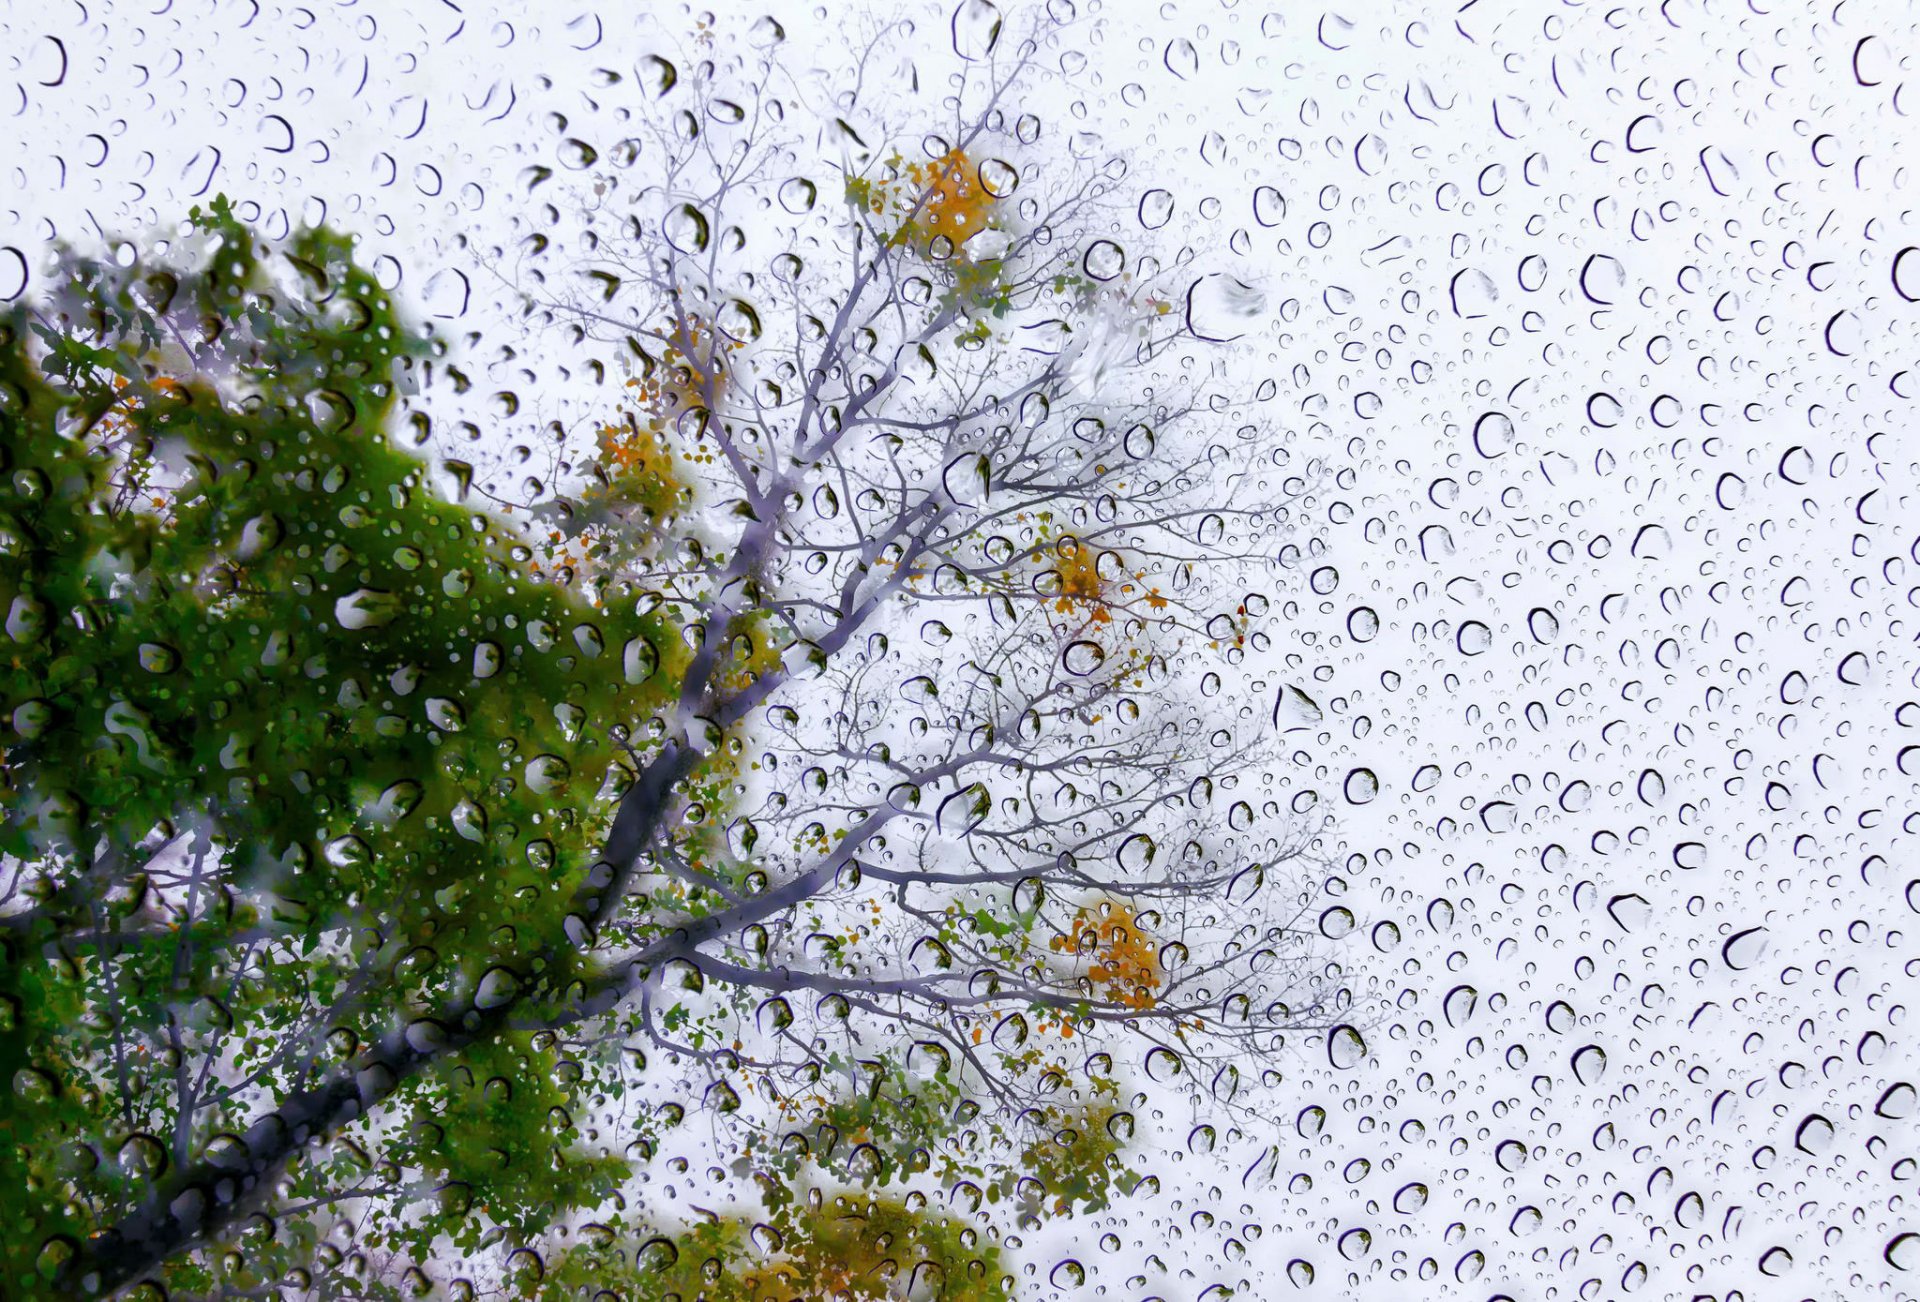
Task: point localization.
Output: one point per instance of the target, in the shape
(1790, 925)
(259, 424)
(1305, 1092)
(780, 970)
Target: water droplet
(157, 658)
(366, 608)
(1744, 949)
(1361, 786)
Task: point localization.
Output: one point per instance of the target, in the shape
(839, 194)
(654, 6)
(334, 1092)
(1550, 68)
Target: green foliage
(296, 748)
(844, 1247)
(349, 750)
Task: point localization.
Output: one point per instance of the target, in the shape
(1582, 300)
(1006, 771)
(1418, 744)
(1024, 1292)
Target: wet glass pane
(984, 651)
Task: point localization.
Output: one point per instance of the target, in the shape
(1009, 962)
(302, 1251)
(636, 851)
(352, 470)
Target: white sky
(1594, 310)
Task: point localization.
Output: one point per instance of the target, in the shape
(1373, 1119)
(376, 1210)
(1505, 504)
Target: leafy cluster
(293, 742)
(299, 749)
(935, 206)
(1123, 957)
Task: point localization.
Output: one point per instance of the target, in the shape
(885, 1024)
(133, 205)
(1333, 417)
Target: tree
(846, 763)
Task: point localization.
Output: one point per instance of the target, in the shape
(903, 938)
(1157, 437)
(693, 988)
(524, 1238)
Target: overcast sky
(1594, 322)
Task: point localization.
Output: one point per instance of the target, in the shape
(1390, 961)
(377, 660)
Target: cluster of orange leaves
(638, 451)
(957, 205)
(1078, 566)
(944, 197)
(115, 422)
(1126, 962)
(1083, 587)
(634, 450)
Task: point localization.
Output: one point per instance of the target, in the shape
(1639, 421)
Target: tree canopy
(730, 877)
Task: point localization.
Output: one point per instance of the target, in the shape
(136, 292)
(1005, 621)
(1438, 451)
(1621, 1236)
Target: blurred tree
(845, 763)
